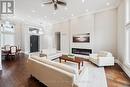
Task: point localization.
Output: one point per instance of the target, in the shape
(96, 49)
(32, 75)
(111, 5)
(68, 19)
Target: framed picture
(81, 38)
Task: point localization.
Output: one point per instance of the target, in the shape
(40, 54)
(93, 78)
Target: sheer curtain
(127, 11)
(127, 32)
(127, 60)
(7, 39)
(7, 34)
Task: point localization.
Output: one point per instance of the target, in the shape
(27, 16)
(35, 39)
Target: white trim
(0, 47)
(125, 68)
(127, 25)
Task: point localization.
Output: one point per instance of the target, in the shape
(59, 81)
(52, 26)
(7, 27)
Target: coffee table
(75, 60)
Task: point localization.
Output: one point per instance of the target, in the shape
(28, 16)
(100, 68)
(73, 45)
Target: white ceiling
(34, 11)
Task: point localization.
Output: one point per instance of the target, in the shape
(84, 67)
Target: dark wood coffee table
(75, 60)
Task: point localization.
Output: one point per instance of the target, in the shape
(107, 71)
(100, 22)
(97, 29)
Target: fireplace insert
(81, 51)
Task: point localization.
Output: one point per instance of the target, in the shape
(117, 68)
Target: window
(127, 11)
(7, 34)
(7, 39)
(128, 31)
(128, 46)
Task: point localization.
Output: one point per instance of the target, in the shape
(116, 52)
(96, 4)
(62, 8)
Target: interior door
(34, 43)
(58, 40)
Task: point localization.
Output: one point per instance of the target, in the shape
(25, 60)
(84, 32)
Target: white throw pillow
(49, 51)
(104, 54)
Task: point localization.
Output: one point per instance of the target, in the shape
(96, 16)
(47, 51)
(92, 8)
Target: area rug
(90, 76)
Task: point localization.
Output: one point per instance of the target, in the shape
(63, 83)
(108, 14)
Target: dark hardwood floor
(14, 74)
(116, 77)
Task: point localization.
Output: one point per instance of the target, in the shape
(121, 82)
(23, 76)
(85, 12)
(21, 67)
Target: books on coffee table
(71, 56)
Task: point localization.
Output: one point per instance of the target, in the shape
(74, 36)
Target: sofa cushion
(34, 54)
(39, 58)
(49, 51)
(104, 54)
(55, 64)
(64, 67)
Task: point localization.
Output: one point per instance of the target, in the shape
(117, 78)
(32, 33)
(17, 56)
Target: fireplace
(81, 51)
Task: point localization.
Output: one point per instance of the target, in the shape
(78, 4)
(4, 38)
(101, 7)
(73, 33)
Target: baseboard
(124, 67)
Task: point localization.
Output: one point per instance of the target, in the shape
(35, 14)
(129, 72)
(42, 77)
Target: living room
(66, 36)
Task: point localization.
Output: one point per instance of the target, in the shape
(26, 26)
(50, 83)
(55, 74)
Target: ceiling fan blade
(53, 0)
(55, 6)
(62, 3)
(47, 2)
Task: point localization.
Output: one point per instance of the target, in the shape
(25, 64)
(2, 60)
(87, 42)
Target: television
(81, 38)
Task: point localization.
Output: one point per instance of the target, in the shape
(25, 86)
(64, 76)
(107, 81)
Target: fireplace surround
(81, 51)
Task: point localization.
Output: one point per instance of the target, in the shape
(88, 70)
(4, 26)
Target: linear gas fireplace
(81, 51)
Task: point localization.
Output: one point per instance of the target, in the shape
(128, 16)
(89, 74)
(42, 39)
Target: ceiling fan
(56, 3)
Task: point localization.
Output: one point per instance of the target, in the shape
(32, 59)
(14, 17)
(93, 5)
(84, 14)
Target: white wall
(106, 31)
(82, 25)
(101, 26)
(121, 32)
(121, 43)
(18, 34)
(62, 27)
(47, 38)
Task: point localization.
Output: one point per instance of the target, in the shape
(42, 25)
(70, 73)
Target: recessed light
(72, 15)
(62, 17)
(29, 16)
(107, 3)
(22, 19)
(66, 8)
(54, 13)
(83, 1)
(86, 10)
(42, 5)
(45, 16)
(33, 11)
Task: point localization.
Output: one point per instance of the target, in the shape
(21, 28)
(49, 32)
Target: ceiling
(34, 10)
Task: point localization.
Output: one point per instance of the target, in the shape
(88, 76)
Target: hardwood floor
(116, 77)
(14, 74)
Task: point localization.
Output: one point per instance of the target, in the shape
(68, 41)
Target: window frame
(5, 32)
(127, 12)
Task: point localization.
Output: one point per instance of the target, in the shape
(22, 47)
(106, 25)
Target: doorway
(34, 43)
(58, 40)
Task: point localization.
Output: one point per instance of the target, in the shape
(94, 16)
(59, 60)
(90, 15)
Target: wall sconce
(1, 25)
(10, 26)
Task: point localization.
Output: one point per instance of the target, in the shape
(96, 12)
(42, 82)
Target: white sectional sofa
(51, 53)
(52, 74)
(102, 58)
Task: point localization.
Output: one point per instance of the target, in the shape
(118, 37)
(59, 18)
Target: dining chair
(13, 51)
(7, 47)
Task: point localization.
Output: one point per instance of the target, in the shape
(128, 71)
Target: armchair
(103, 58)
